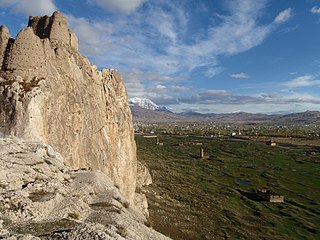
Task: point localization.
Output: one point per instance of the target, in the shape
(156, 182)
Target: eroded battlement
(32, 45)
(55, 28)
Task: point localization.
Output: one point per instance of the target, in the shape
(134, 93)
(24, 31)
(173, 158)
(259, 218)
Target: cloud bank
(315, 10)
(119, 6)
(303, 81)
(30, 7)
(239, 75)
(283, 16)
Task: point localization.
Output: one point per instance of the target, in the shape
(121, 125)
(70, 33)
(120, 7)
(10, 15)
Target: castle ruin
(50, 93)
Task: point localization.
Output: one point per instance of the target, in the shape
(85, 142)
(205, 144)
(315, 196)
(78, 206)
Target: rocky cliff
(41, 198)
(50, 93)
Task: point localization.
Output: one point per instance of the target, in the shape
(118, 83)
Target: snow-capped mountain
(143, 103)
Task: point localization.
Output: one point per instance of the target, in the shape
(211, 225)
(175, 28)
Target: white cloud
(214, 93)
(239, 31)
(213, 71)
(6, 3)
(289, 29)
(30, 7)
(158, 38)
(222, 101)
(134, 85)
(156, 46)
(283, 16)
(98, 32)
(158, 88)
(123, 6)
(315, 10)
(303, 81)
(239, 75)
(179, 88)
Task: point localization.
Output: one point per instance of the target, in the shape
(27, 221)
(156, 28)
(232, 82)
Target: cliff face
(50, 93)
(41, 198)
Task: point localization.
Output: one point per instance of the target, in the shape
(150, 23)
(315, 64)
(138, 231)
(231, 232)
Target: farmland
(214, 197)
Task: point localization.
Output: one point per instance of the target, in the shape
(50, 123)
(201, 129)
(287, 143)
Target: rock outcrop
(50, 93)
(41, 198)
(4, 42)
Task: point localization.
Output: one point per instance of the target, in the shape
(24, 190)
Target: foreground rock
(41, 198)
(49, 92)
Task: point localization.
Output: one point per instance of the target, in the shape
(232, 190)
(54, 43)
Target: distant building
(270, 196)
(201, 153)
(150, 136)
(272, 143)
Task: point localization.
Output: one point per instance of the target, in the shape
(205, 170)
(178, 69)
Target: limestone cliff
(49, 92)
(41, 198)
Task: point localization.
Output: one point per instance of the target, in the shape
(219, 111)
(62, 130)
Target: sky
(217, 56)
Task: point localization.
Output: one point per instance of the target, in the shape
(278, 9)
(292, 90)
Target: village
(223, 129)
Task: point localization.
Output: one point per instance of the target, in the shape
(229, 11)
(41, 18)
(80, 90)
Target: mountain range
(146, 103)
(146, 111)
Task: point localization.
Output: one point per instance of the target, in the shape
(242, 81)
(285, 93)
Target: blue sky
(259, 56)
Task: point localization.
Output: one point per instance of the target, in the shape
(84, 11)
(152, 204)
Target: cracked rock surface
(41, 198)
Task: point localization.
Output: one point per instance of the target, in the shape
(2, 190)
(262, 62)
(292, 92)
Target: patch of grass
(41, 196)
(101, 205)
(122, 231)
(44, 228)
(106, 206)
(73, 215)
(48, 162)
(126, 204)
(118, 198)
(6, 221)
(37, 170)
(147, 223)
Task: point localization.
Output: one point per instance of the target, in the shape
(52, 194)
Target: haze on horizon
(258, 56)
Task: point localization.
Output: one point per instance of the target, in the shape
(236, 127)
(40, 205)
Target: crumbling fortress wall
(55, 28)
(5, 43)
(51, 93)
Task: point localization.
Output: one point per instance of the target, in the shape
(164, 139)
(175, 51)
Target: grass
(48, 162)
(212, 198)
(73, 215)
(44, 228)
(41, 196)
(122, 231)
(105, 206)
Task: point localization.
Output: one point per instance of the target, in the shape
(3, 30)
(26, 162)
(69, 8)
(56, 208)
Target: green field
(193, 198)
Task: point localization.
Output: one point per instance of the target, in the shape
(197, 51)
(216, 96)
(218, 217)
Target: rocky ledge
(42, 198)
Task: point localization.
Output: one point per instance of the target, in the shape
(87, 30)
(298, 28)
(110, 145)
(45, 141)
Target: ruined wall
(4, 40)
(73, 40)
(55, 28)
(50, 93)
(59, 29)
(40, 25)
(27, 51)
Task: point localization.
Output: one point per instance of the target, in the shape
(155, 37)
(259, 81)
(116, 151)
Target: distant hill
(308, 117)
(165, 116)
(157, 116)
(146, 111)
